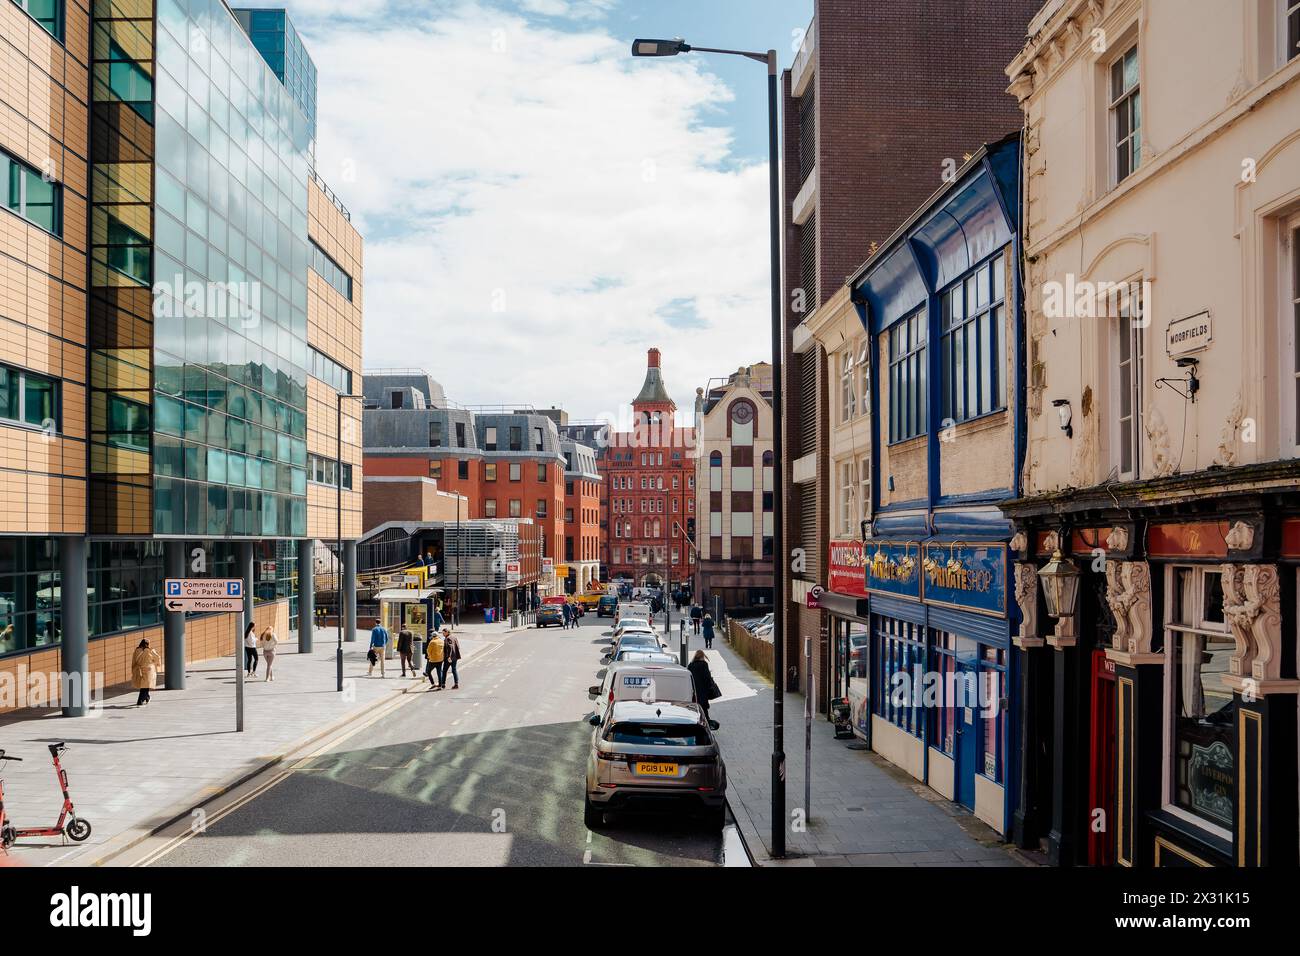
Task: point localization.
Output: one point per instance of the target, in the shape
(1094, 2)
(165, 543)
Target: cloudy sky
(538, 208)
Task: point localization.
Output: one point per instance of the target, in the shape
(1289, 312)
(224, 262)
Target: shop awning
(844, 604)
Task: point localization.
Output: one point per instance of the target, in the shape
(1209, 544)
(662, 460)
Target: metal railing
(331, 195)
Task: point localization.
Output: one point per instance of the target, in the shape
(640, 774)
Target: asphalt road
(487, 775)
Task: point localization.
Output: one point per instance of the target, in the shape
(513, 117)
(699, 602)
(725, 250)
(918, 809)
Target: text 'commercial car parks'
(654, 757)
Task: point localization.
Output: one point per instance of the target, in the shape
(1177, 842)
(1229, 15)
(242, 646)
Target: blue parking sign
(173, 589)
(234, 588)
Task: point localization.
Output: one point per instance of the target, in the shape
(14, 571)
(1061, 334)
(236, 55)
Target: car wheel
(715, 818)
(592, 817)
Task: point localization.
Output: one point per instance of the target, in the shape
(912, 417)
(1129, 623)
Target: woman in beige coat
(267, 646)
(144, 671)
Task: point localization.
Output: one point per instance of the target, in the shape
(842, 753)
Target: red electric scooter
(70, 825)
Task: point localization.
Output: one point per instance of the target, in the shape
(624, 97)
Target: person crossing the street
(435, 653)
(450, 655)
(378, 645)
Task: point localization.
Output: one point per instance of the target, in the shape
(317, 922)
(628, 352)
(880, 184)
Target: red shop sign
(848, 568)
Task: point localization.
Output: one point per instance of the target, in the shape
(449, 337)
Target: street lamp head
(660, 47)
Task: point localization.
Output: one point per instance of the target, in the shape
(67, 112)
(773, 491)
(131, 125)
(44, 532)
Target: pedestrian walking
(378, 645)
(568, 614)
(697, 614)
(267, 646)
(405, 640)
(706, 689)
(450, 655)
(708, 630)
(250, 650)
(434, 655)
(144, 671)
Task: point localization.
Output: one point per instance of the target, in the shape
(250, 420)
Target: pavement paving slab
(864, 812)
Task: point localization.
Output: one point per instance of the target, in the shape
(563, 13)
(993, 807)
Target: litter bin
(487, 615)
(417, 654)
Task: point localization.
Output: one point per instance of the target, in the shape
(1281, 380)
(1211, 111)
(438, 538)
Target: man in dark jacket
(697, 615)
(450, 655)
(705, 688)
(404, 641)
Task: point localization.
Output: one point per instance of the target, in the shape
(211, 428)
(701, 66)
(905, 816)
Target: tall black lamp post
(672, 48)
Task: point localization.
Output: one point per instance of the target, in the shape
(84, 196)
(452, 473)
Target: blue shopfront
(939, 692)
(940, 302)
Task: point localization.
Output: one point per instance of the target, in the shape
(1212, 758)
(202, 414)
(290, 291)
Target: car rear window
(658, 735)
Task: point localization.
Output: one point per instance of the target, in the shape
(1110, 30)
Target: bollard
(417, 654)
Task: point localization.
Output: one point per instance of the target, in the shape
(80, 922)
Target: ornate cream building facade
(1161, 235)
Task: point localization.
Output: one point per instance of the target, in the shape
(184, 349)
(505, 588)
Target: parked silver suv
(654, 756)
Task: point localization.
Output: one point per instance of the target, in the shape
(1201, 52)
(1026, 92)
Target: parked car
(642, 680)
(549, 614)
(753, 624)
(654, 756)
(644, 656)
(645, 640)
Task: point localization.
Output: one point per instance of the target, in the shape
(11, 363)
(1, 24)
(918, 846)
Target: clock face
(742, 412)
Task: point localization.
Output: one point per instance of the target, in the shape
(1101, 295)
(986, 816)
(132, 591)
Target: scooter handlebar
(3, 757)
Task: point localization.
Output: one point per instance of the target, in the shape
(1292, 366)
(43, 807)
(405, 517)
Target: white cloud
(537, 206)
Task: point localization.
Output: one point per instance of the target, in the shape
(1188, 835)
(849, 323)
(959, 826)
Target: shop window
(993, 687)
(29, 581)
(900, 650)
(1202, 766)
(1291, 324)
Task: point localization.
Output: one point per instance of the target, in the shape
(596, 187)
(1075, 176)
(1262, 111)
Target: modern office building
(733, 480)
(190, 315)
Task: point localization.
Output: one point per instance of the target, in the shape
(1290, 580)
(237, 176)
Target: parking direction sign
(203, 594)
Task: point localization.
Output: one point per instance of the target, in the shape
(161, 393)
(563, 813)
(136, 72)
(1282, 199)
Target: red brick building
(506, 463)
(579, 565)
(649, 474)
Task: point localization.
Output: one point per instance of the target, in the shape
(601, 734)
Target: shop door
(967, 746)
(1101, 761)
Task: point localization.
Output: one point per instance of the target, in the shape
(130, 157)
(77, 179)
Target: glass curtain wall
(230, 264)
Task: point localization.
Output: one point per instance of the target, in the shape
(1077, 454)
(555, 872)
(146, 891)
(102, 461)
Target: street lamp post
(673, 48)
(338, 481)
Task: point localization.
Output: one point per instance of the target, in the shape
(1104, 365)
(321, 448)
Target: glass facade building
(274, 37)
(202, 202)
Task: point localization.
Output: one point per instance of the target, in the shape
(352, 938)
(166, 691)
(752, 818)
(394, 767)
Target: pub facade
(1156, 535)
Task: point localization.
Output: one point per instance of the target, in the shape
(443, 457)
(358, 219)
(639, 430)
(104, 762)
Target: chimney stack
(652, 358)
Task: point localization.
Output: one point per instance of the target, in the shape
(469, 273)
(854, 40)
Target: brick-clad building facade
(859, 159)
(505, 464)
(649, 475)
